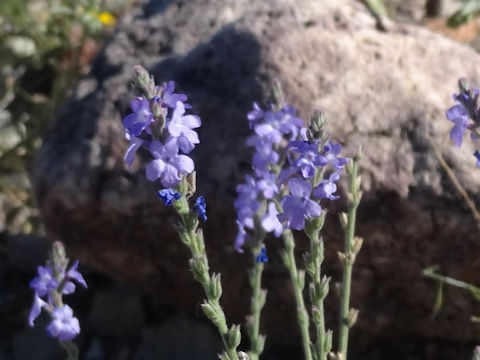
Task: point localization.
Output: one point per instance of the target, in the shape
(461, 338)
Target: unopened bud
(357, 244)
(216, 286)
(341, 257)
(352, 317)
(234, 336)
(344, 220)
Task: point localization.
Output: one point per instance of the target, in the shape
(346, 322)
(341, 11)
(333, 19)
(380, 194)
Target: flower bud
(234, 336)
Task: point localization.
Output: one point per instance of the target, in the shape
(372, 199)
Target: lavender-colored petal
(185, 164)
(240, 238)
(270, 221)
(455, 112)
(37, 306)
(170, 177)
(155, 169)
(458, 130)
(299, 187)
(129, 120)
(137, 104)
(73, 273)
(135, 144)
(68, 288)
(312, 209)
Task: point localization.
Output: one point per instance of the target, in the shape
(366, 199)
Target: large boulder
(383, 89)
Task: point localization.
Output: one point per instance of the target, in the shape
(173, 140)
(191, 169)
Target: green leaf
(438, 299)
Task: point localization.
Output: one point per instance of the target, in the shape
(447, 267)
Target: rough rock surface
(385, 90)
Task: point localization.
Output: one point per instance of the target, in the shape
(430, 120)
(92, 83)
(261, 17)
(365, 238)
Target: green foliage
(469, 10)
(41, 48)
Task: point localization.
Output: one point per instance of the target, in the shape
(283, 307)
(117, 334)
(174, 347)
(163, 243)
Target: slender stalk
(352, 247)
(461, 190)
(193, 238)
(257, 341)
(298, 281)
(318, 292)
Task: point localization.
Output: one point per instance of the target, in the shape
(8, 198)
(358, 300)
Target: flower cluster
(159, 124)
(256, 195)
(465, 115)
(53, 281)
(276, 198)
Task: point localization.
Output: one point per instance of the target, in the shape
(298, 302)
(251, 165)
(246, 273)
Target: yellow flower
(107, 19)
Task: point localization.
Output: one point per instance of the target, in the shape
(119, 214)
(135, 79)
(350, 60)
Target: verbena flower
(270, 222)
(180, 126)
(297, 207)
(141, 118)
(169, 196)
(44, 282)
(326, 188)
(330, 152)
(200, 208)
(64, 325)
(262, 257)
(460, 117)
(167, 139)
(53, 281)
(169, 99)
(168, 165)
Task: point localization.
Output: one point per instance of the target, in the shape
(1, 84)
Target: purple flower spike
(298, 206)
(64, 325)
(44, 282)
(200, 208)
(141, 118)
(168, 164)
(169, 196)
(326, 188)
(262, 257)
(460, 117)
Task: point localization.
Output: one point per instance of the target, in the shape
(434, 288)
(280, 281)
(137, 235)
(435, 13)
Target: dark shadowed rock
(383, 90)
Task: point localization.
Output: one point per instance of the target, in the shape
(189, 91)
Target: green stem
(193, 238)
(257, 341)
(318, 292)
(298, 281)
(349, 259)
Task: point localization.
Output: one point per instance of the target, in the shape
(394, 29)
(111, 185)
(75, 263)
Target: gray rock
(383, 90)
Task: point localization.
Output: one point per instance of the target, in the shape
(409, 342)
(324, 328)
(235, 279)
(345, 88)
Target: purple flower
(73, 273)
(270, 221)
(262, 257)
(168, 164)
(241, 237)
(37, 306)
(309, 158)
(246, 203)
(141, 118)
(267, 185)
(298, 206)
(255, 115)
(330, 153)
(200, 208)
(44, 282)
(460, 117)
(169, 99)
(264, 154)
(181, 126)
(477, 155)
(64, 325)
(135, 144)
(169, 196)
(326, 188)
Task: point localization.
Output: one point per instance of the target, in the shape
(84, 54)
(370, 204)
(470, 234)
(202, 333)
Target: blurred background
(46, 46)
